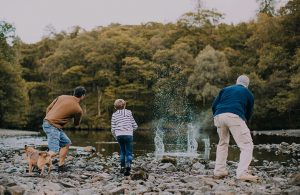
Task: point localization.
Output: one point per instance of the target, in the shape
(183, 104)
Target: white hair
(243, 80)
(119, 103)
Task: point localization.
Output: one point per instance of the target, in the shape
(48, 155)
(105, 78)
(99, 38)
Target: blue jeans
(125, 142)
(56, 137)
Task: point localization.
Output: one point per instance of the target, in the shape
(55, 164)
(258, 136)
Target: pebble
(96, 174)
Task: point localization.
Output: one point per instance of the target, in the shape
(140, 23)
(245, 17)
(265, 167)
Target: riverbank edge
(283, 132)
(14, 132)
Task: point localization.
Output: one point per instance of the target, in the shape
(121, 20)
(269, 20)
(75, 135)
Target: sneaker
(54, 161)
(221, 175)
(62, 168)
(122, 170)
(248, 177)
(127, 172)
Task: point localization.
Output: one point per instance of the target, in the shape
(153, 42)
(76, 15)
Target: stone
(51, 186)
(210, 165)
(190, 179)
(70, 193)
(89, 149)
(295, 190)
(204, 189)
(284, 144)
(295, 179)
(278, 179)
(117, 191)
(16, 190)
(11, 170)
(110, 186)
(67, 184)
(2, 190)
(80, 164)
(30, 192)
(84, 176)
(198, 165)
(91, 168)
(167, 166)
(168, 159)
(86, 192)
(139, 174)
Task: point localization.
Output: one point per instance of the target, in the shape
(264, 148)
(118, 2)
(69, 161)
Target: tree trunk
(99, 101)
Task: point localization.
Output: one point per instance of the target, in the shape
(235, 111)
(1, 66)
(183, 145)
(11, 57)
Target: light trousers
(225, 123)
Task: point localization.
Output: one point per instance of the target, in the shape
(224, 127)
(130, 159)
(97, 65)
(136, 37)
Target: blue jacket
(235, 99)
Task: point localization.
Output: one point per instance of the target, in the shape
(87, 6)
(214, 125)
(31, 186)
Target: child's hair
(120, 104)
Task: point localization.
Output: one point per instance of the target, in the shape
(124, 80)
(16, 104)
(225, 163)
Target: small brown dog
(38, 159)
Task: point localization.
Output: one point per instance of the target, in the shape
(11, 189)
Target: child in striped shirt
(122, 127)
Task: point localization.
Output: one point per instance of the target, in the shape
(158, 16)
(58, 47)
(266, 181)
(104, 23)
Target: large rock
(167, 167)
(51, 186)
(295, 179)
(16, 190)
(295, 190)
(169, 159)
(86, 192)
(190, 179)
(70, 193)
(197, 166)
(31, 192)
(2, 190)
(117, 191)
(139, 174)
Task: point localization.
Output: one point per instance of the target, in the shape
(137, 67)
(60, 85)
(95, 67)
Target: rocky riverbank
(92, 173)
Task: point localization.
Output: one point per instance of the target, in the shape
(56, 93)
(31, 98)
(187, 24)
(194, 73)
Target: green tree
(267, 6)
(290, 22)
(210, 74)
(13, 97)
(13, 92)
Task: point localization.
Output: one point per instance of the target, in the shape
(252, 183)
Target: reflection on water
(104, 143)
(144, 143)
(18, 143)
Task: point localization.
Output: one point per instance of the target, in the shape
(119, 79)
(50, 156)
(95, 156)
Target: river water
(144, 143)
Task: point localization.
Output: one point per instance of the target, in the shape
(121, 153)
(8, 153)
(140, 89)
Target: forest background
(173, 69)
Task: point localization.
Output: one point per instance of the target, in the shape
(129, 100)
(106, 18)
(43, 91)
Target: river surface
(144, 143)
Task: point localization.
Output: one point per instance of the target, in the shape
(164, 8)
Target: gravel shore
(90, 172)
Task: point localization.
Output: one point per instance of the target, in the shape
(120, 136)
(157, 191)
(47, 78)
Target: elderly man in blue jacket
(231, 109)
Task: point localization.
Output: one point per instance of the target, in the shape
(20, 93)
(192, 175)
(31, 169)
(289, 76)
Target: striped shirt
(123, 123)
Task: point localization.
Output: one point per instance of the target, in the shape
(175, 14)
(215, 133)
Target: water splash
(190, 136)
(175, 132)
(159, 144)
(192, 144)
(206, 148)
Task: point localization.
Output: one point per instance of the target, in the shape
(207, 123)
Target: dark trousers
(125, 142)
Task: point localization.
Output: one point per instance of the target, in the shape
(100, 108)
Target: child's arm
(113, 127)
(134, 124)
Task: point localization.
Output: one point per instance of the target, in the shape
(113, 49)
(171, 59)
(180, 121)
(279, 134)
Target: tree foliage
(159, 69)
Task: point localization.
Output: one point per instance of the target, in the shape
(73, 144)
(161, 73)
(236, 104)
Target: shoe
(127, 172)
(221, 175)
(62, 168)
(122, 170)
(54, 161)
(248, 177)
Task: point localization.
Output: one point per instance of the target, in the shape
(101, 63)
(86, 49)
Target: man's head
(79, 92)
(120, 104)
(243, 80)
